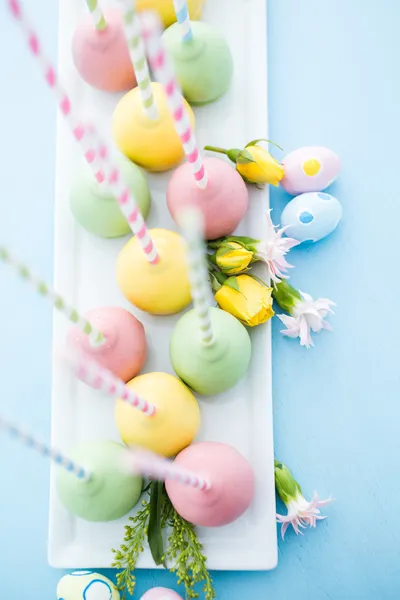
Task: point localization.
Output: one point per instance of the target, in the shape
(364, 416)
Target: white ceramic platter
(84, 270)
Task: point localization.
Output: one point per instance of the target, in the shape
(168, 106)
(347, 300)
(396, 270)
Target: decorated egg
(311, 217)
(160, 593)
(309, 169)
(86, 585)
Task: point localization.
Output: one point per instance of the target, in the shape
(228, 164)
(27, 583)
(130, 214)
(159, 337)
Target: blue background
(334, 81)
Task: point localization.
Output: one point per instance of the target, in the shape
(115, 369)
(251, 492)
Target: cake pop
(161, 593)
(109, 493)
(223, 202)
(160, 289)
(165, 9)
(203, 61)
(210, 350)
(209, 483)
(125, 349)
(101, 54)
(111, 334)
(142, 126)
(94, 206)
(175, 423)
(86, 585)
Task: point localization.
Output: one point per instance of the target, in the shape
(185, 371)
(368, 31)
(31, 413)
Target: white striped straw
(151, 465)
(97, 14)
(57, 457)
(95, 151)
(191, 222)
(96, 338)
(133, 34)
(182, 15)
(163, 69)
(88, 370)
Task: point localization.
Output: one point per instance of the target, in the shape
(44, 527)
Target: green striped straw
(97, 14)
(137, 53)
(96, 338)
(191, 222)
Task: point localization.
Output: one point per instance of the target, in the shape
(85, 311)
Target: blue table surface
(333, 81)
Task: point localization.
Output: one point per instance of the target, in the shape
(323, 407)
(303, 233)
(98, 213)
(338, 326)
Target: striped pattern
(163, 70)
(139, 61)
(192, 224)
(94, 150)
(60, 459)
(97, 14)
(182, 15)
(96, 338)
(92, 373)
(151, 465)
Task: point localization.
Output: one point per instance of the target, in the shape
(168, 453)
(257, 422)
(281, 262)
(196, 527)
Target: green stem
(216, 149)
(285, 295)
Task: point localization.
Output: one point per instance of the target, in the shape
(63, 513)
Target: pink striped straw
(91, 372)
(151, 465)
(94, 150)
(164, 72)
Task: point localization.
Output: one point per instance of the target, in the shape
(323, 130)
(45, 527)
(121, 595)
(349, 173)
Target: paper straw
(92, 373)
(95, 153)
(137, 53)
(96, 338)
(192, 223)
(97, 14)
(151, 465)
(60, 459)
(182, 15)
(162, 67)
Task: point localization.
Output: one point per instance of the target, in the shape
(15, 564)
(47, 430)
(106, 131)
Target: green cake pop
(203, 63)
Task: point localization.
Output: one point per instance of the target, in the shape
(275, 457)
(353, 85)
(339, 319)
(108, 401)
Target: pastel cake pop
(111, 334)
(175, 423)
(86, 585)
(125, 348)
(202, 59)
(143, 128)
(94, 206)
(209, 483)
(109, 493)
(100, 51)
(161, 593)
(231, 480)
(165, 9)
(160, 289)
(223, 201)
(210, 350)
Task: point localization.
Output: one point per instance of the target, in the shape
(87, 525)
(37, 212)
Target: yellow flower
(264, 169)
(252, 304)
(232, 258)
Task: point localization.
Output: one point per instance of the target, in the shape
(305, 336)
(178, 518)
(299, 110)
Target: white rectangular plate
(84, 270)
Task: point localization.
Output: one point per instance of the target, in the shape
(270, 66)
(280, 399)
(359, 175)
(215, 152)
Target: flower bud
(247, 299)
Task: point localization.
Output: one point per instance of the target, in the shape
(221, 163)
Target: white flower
(302, 513)
(305, 316)
(272, 251)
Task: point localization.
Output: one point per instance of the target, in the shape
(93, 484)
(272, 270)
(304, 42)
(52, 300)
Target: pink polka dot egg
(309, 169)
(160, 593)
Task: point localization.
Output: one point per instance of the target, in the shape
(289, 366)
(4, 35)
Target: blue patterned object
(311, 216)
(86, 585)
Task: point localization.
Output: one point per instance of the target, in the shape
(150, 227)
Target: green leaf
(154, 532)
(255, 142)
(233, 154)
(232, 282)
(244, 157)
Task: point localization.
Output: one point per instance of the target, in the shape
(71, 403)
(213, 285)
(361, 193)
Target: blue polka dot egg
(311, 217)
(86, 585)
(309, 169)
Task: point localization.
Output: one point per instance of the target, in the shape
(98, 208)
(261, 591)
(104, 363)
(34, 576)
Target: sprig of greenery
(127, 556)
(186, 555)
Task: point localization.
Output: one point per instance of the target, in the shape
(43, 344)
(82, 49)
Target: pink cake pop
(223, 202)
(124, 351)
(161, 593)
(101, 55)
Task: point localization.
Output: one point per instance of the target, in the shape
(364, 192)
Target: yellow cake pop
(175, 423)
(161, 289)
(165, 9)
(152, 144)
